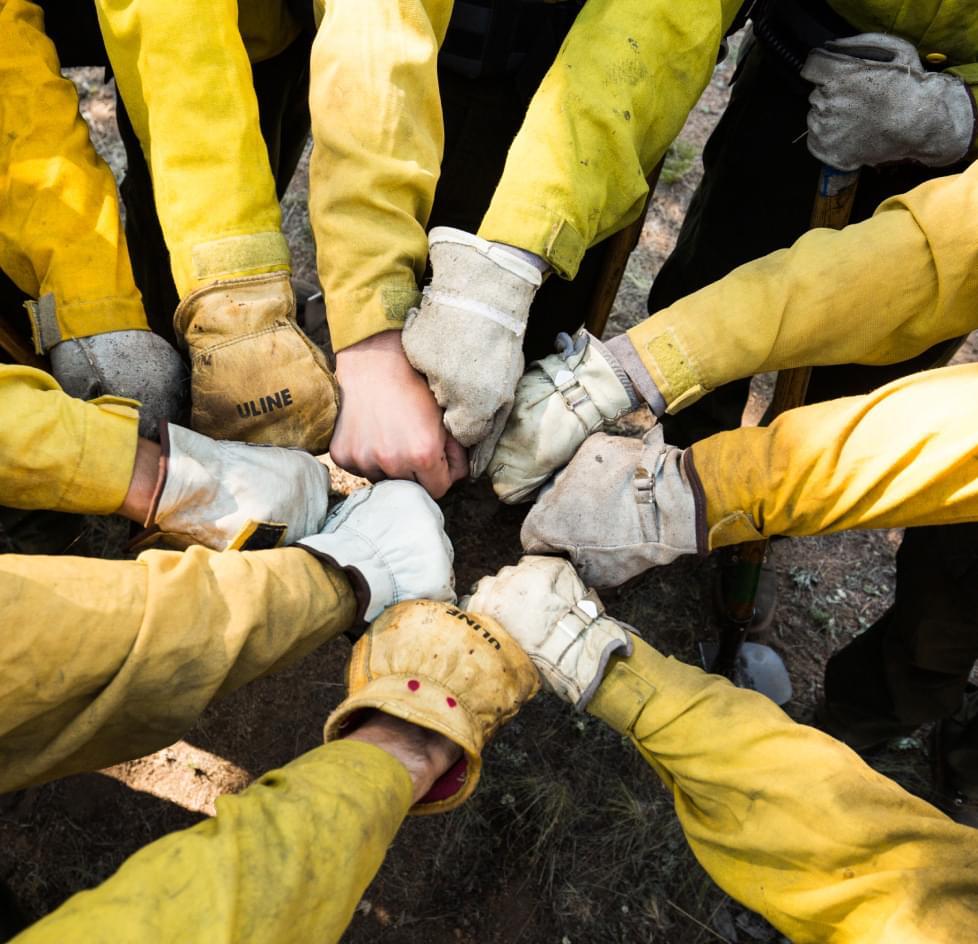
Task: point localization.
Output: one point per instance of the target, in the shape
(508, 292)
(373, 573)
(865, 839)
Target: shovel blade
(758, 668)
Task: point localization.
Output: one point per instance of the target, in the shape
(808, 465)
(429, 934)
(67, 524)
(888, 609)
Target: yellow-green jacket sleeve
(285, 861)
(109, 660)
(618, 93)
(184, 74)
(60, 453)
(904, 455)
(378, 136)
(877, 292)
(789, 821)
(60, 231)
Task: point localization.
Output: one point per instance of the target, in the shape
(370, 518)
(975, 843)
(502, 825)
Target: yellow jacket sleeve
(184, 75)
(618, 93)
(789, 821)
(60, 231)
(876, 292)
(378, 136)
(285, 861)
(60, 453)
(115, 659)
(901, 456)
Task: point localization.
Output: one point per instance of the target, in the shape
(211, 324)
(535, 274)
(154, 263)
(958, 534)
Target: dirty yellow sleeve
(877, 292)
(377, 130)
(618, 93)
(184, 74)
(115, 659)
(786, 819)
(60, 231)
(285, 861)
(904, 455)
(60, 453)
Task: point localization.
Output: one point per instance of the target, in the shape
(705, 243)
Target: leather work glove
(443, 669)
(622, 506)
(562, 626)
(234, 496)
(255, 376)
(560, 401)
(875, 103)
(136, 365)
(390, 540)
(467, 336)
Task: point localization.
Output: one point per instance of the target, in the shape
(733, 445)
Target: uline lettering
(478, 627)
(266, 404)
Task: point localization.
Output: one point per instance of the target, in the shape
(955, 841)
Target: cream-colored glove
(390, 539)
(443, 669)
(622, 506)
(562, 626)
(874, 103)
(467, 336)
(255, 376)
(560, 401)
(235, 496)
(137, 365)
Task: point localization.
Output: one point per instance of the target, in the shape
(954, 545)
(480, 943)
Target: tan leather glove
(443, 669)
(255, 376)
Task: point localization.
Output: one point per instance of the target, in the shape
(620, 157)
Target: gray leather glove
(467, 336)
(138, 365)
(235, 496)
(622, 506)
(560, 624)
(874, 103)
(560, 401)
(390, 539)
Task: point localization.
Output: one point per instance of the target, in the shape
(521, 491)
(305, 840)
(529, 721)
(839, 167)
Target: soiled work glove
(874, 103)
(138, 365)
(560, 401)
(443, 669)
(390, 540)
(622, 506)
(235, 496)
(255, 376)
(544, 606)
(467, 336)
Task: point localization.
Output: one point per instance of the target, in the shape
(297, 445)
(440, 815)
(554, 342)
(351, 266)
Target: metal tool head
(758, 668)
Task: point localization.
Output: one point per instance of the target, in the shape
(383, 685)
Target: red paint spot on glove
(414, 685)
(451, 702)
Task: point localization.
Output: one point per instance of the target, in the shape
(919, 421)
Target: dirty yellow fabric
(114, 659)
(901, 456)
(60, 232)
(60, 453)
(287, 860)
(877, 292)
(616, 96)
(789, 821)
(184, 75)
(378, 139)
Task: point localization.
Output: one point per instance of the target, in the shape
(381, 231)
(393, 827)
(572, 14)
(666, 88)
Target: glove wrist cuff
(371, 581)
(426, 702)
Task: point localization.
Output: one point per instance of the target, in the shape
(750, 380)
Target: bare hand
(389, 424)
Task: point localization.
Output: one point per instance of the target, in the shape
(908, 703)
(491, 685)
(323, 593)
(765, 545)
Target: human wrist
(426, 755)
(148, 476)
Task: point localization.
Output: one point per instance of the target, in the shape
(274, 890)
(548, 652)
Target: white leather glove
(622, 506)
(544, 606)
(875, 103)
(560, 401)
(390, 540)
(467, 336)
(138, 365)
(235, 496)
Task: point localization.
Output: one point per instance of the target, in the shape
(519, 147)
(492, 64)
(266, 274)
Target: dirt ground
(570, 838)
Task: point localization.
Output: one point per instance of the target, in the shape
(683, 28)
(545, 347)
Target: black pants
(756, 196)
